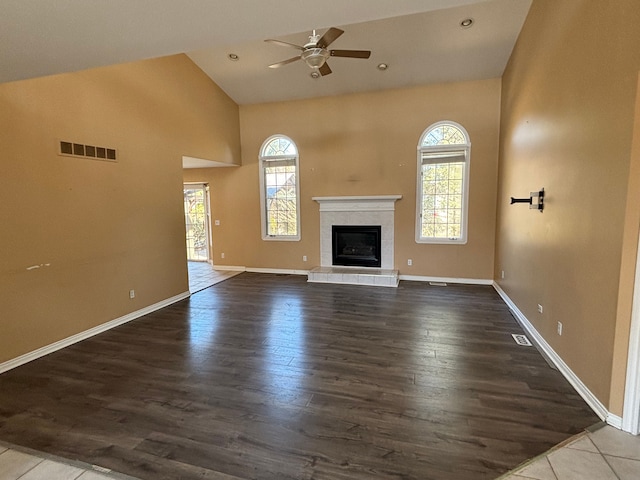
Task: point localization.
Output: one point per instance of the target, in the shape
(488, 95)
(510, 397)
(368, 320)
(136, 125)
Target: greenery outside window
(443, 184)
(279, 189)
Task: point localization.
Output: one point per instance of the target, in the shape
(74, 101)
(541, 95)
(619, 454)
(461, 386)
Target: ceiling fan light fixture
(315, 57)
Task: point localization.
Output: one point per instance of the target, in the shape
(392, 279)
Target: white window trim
(465, 191)
(263, 206)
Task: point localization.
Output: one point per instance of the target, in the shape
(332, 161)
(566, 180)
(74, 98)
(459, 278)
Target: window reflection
(202, 333)
(285, 346)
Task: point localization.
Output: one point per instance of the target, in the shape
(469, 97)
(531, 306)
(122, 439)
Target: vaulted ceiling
(421, 41)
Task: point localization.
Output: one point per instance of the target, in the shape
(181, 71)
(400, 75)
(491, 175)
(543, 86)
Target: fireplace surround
(357, 211)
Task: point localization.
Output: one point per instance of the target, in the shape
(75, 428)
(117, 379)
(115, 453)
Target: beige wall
(104, 228)
(362, 144)
(567, 118)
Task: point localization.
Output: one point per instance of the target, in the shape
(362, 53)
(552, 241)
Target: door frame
(207, 206)
(631, 408)
(631, 411)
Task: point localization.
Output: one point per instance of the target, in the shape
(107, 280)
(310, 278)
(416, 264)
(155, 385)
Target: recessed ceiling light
(466, 23)
(314, 74)
(382, 66)
(233, 57)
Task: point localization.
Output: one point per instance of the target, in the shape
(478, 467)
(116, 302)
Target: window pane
(441, 201)
(278, 147)
(428, 202)
(444, 135)
(429, 188)
(428, 230)
(281, 204)
(455, 187)
(441, 215)
(429, 173)
(456, 171)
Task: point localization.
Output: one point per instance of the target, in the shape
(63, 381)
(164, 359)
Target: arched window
(443, 184)
(279, 189)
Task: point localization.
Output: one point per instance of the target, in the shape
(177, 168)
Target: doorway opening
(196, 219)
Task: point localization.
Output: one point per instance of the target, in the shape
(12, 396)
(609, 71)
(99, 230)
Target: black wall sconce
(538, 205)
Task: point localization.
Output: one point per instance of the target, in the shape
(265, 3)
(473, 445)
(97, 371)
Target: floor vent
(71, 149)
(438, 284)
(521, 340)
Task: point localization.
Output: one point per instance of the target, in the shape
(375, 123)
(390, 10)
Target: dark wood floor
(269, 377)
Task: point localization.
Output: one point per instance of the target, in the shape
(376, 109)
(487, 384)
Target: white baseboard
(283, 271)
(231, 268)
(236, 268)
(614, 421)
(65, 342)
(468, 281)
(593, 402)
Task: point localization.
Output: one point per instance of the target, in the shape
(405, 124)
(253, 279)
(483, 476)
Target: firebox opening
(357, 245)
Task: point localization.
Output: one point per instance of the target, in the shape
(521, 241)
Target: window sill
(274, 238)
(442, 241)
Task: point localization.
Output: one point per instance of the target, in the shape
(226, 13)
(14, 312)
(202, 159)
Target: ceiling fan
(315, 53)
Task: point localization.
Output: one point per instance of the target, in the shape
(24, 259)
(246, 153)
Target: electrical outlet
(502, 274)
(304, 258)
(132, 294)
(216, 222)
(540, 309)
(559, 328)
(222, 255)
(409, 262)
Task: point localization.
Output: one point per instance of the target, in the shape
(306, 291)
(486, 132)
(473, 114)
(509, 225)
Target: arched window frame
(429, 155)
(267, 161)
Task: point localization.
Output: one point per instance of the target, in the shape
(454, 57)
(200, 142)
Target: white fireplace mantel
(357, 203)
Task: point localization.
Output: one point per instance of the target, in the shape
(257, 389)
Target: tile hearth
(355, 276)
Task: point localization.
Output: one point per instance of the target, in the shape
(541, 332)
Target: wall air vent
(71, 149)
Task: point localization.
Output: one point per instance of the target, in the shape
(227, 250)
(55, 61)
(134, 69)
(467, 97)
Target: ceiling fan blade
(324, 69)
(284, 62)
(284, 44)
(329, 37)
(351, 53)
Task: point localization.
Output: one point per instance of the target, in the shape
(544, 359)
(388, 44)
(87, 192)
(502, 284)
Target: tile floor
(202, 275)
(601, 454)
(18, 463)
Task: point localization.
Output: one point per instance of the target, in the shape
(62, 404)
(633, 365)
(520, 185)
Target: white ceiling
(421, 40)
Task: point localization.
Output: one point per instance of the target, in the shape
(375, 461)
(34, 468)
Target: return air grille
(88, 151)
(521, 340)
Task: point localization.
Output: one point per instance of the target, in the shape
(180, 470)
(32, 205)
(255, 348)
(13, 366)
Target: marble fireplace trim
(358, 210)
